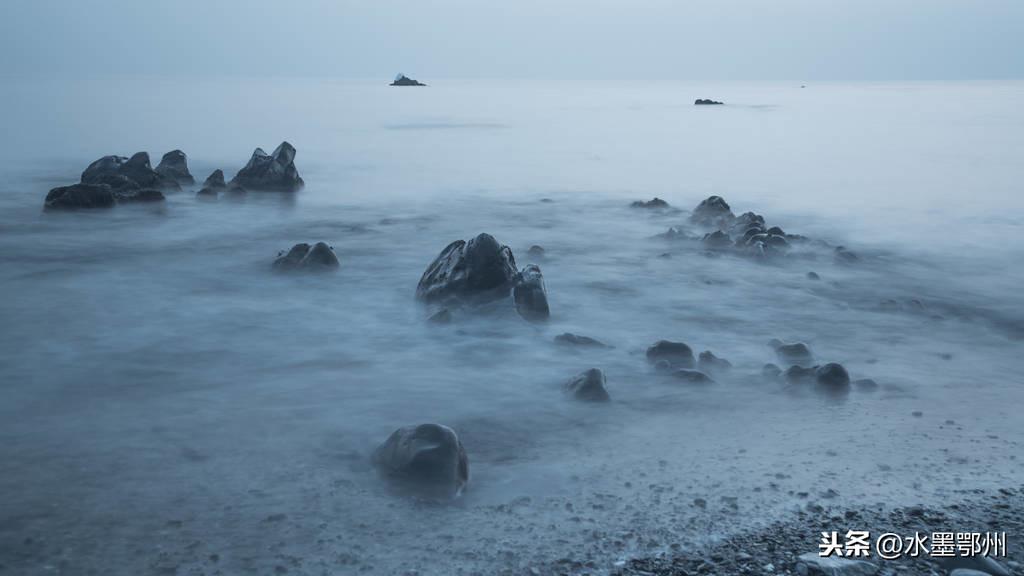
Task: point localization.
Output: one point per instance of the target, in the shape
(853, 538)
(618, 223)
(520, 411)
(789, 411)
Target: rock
(530, 295)
(133, 196)
(213, 185)
(79, 196)
(174, 166)
(480, 270)
(844, 256)
(811, 564)
(589, 386)
(717, 240)
(798, 374)
(692, 376)
(577, 340)
(319, 257)
(706, 102)
(713, 211)
(535, 252)
(274, 172)
(428, 458)
(982, 564)
(813, 276)
(865, 385)
(708, 362)
(771, 371)
(656, 203)
(832, 378)
(442, 316)
(677, 354)
(403, 80)
(797, 353)
(127, 172)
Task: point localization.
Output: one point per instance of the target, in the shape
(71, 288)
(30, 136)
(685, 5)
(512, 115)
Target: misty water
(170, 406)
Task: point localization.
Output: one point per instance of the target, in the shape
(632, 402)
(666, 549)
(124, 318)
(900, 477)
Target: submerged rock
(706, 102)
(692, 376)
(535, 251)
(403, 80)
(174, 166)
(530, 295)
(272, 172)
(428, 459)
(571, 339)
(865, 385)
(79, 196)
(480, 270)
(713, 211)
(676, 354)
(708, 362)
(121, 172)
(442, 316)
(832, 378)
(796, 353)
(653, 203)
(798, 374)
(319, 257)
(589, 386)
(771, 371)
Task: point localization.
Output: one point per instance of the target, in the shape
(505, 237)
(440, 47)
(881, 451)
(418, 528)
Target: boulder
(530, 295)
(865, 385)
(796, 353)
(428, 459)
(213, 185)
(717, 240)
(656, 203)
(692, 376)
(813, 276)
(844, 256)
(535, 252)
(174, 166)
(771, 371)
(272, 172)
(303, 257)
(582, 341)
(589, 386)
(79, 196)
(403, 80)
(832, 378)
(706, 102)
(136, 170)
(713, 211)
(677, 354)
(708, 362)
(480, 270)
(798, 374)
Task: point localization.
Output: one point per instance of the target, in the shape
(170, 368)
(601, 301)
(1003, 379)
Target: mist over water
(169, 404)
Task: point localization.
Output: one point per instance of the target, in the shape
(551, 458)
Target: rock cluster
(305, 258)
(270, 172)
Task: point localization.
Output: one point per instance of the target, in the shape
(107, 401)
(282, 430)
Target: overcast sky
(584, 39)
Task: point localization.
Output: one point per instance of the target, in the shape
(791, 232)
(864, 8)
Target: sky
(573, 39)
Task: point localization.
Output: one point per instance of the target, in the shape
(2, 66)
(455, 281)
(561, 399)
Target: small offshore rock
(677, 354)
(535, 251)
(174, 166)
(712, 211)
(798, 374)
(797, 353)
(403, 80)
(479, 270)
(272, 172)
(530, 295)
(118, 169)
(692, 376)
(717, 240)
(428, 458)
(657, 203)
(213, 185)
(844, 256)
(832, 378)
(303, 257)
(813, 276)
(771, 371)
(577, 340)
(865, 385)
(708, 362)
(589, 386)
(79, 196)
(706, 102)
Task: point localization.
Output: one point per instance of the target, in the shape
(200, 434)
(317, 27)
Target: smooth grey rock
(798, 374)
(865, 385)
(677, 354)
(535, 251)
(174, 166)
(815, 565)
(589, 386)
(771, 371)
(79, 196)
(692, 376)
(480, 270)
(571, 339)
(708, 362)
(530, 295)
(303, 257)
(832, 378)
(797, 353)
(813, 276)
(428, 458)
(270, 172)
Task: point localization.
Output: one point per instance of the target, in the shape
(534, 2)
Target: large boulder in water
(713, 211)
(213, 185)
(428, 459)
(832, 378)
(589, 386)
(274, 172)
(80, 196)
(303, 257)
(174, 166)
(134, 172)
(530, 295)
(480, 270)
(676, 354)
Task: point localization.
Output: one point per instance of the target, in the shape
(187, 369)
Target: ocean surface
(168, 405)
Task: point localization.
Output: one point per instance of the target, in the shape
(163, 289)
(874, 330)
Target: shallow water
(170, 406)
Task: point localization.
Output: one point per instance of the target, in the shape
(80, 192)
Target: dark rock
(717, 240)
(215, 180)
(708, 362)
(706, 102)
(712, 211)
(79, 196)
(274, 172)
(530, 295)
(134, 196)
(832, 378)
(677, 354)
(676, 233)
(111, 169)
(480, 270)
(844, 256)
(589, 386)
(403, 80)
(174, 166)
(442, 316)
(798, 374)
(865, 385)
(771, 371)
(319, 257)
(657, 203)
(813, 276)
(577, 340)
(797, 353)
(117, 182)
(692, 376)
(428, 458)
(535, 251)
